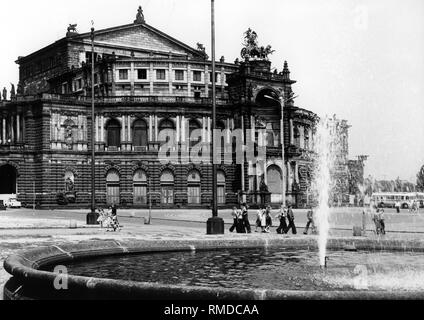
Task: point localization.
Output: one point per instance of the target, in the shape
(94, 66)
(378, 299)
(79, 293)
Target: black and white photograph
(209, 150)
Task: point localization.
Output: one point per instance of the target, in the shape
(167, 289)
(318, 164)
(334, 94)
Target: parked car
(13, 203)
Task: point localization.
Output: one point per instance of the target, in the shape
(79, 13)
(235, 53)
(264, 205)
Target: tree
(420, 179)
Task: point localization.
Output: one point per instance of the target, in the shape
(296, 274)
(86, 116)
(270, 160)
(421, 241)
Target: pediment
(141, 37)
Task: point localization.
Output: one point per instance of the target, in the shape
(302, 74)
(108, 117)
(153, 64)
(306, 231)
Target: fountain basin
(29, 282)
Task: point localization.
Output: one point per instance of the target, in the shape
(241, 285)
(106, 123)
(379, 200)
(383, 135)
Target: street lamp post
(215, 225)
(92, 216)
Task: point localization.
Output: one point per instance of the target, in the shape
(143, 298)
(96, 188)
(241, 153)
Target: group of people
(264, 220)
(241, 220)
(109, 219)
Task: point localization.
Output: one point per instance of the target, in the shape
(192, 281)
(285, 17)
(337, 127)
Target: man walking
(282, 215)
(310, 217)
(245, 218)
(290, 217)
(397, 206)
(381, 220)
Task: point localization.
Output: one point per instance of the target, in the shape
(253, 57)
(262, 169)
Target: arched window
(113, 129)
(193, 188)
(140, 187)
(167, 187)
(112, 187)
(194, 125)
(167, 126)
(221, 187)
(140, 133)
(69, 181)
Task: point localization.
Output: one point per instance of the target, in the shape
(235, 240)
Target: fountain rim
(24, 267)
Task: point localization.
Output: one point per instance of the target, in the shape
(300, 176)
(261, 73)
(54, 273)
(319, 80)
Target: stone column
(228, 130)
(123, 129)
(132, 78)
(206, 81)
(189, 80)
(97, 129)
(291, 132)
(12, 131)
(102, 129)
(209, 130)
(18, 128)
(183, 129)
(129, 139)
(151, 78)
(113, 79)
(170, 78)
(178, 129)
(156, 128)
(150, 128)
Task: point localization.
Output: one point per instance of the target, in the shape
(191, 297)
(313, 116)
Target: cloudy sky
(362, 60)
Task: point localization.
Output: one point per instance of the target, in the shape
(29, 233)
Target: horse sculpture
(72, 28)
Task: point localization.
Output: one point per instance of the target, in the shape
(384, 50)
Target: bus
(420, 199)
(389, 199)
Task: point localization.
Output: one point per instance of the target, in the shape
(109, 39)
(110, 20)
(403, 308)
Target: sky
(361, 60)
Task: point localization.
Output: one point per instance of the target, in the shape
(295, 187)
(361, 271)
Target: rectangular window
(123, 74)
(179, 75)
(142, 74)
(160, 74)
(197, 76)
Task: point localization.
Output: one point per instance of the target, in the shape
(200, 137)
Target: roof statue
(140, 16)
(72, 30)
(12, 92)
(251, 48)
(201, 48)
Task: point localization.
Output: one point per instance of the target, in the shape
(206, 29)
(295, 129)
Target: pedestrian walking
(290, 217)
(259, 214)
(281, 216)
(245, 218)
(310, 223)
(263, 220)
(268, 219)
(234, 215)
(381, 221)
(397, 206)
(376, 220)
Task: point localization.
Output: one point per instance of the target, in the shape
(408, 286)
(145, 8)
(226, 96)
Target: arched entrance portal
(8, 176)
(275, 183)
